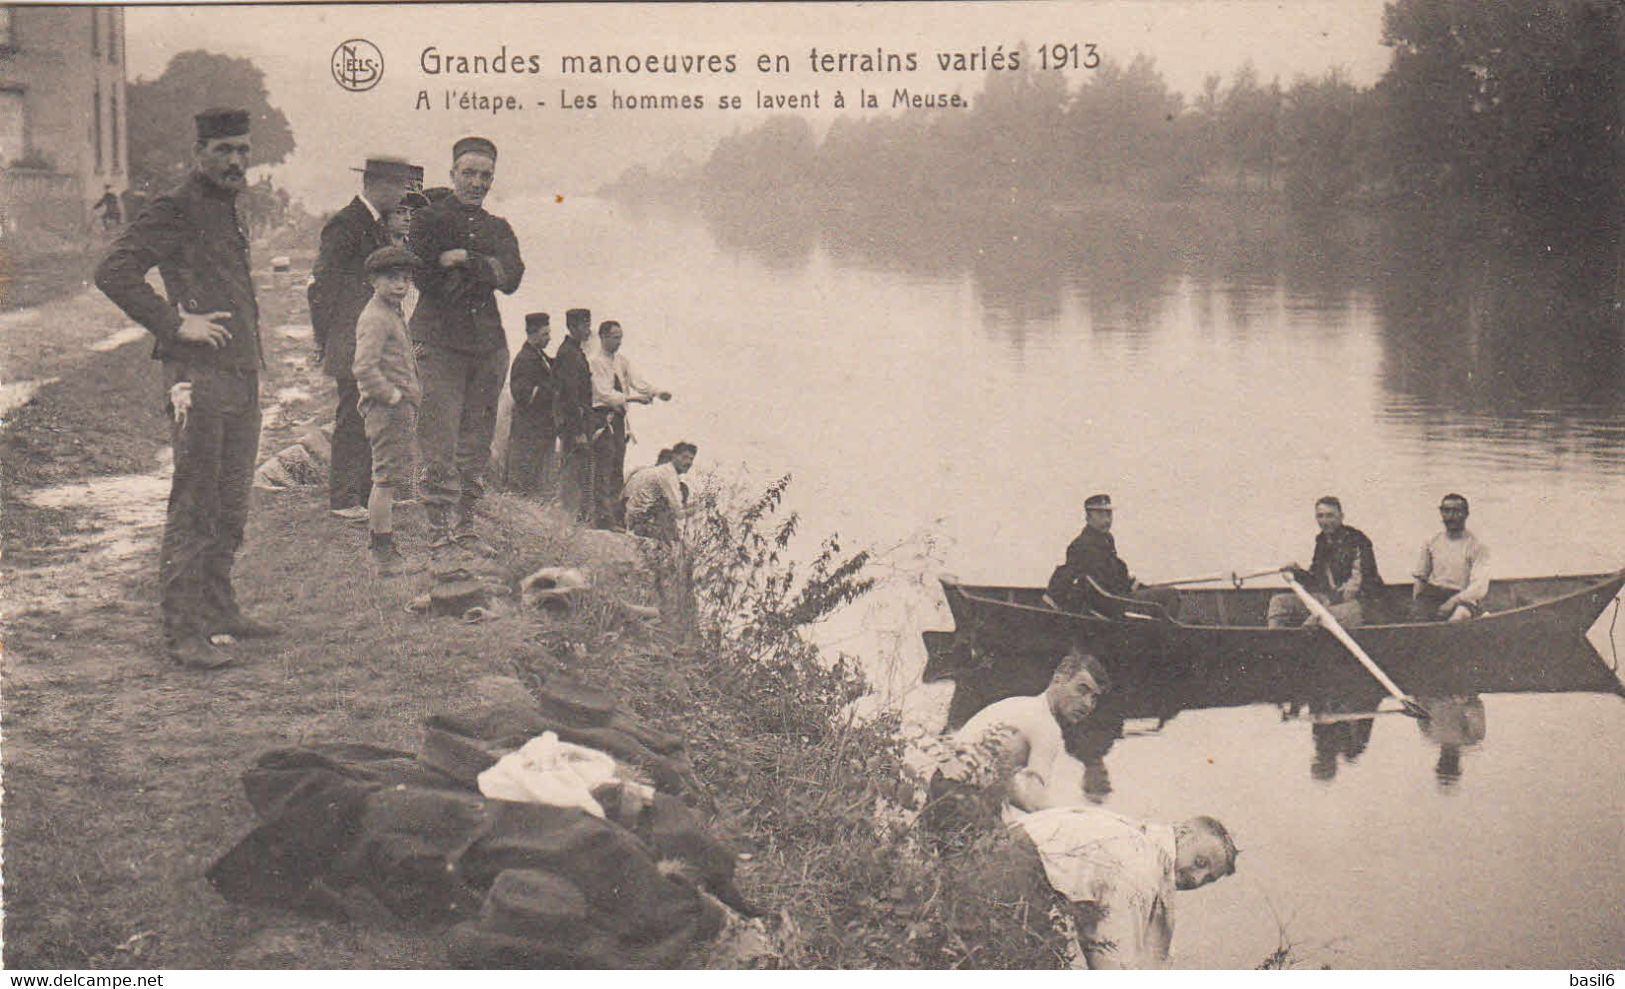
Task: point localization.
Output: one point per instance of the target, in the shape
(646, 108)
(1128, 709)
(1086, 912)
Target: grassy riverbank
(121, 771)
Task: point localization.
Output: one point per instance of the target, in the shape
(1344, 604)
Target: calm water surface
(955, 389)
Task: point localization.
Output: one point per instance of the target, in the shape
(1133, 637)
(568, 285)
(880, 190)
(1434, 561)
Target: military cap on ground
(221, 122)
(535, 321)
(390, 168)
(391, 258)
(578, 317)
(1099, 501)
(476, 145)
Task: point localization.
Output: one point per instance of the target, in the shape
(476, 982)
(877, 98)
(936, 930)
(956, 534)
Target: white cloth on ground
(547, 771)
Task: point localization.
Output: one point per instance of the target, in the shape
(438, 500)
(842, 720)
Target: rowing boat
(1219, 653)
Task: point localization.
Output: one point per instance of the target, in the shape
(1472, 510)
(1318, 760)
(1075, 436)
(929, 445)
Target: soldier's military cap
(1102, 502)
(474, 145)
(576, 318)
(221, 122)
(535, 321)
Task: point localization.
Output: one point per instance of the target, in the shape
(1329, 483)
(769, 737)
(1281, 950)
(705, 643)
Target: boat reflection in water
(1341, 702)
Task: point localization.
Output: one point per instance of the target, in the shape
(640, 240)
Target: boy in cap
(386, 374)
(533, 436)
(338, 291)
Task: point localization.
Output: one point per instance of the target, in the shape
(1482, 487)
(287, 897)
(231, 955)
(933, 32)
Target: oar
(1327, 619)
(1229, 575)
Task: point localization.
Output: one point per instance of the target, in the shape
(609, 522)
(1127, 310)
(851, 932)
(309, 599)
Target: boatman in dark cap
(207, 336)
(1092, 566)
(468, 256)
(338, 292)
(572, 415)
(532, 438)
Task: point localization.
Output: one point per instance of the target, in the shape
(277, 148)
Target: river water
(951, 388)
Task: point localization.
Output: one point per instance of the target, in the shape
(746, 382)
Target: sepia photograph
(517, 486)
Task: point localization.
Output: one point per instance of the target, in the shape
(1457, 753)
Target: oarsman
(614, 384)
(533, 434)
(1092, 566)
(468, 256)
(1119, 876)
(338, 292)
(572, 415)
(207, 336)
(1344, 570)
(1453, 572)
(654, 495)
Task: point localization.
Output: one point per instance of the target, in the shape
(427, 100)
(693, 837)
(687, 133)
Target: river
(954, 387)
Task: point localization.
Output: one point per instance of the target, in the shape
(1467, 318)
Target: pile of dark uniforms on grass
(371, 834)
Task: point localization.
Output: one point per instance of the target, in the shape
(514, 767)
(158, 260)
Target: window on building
(96, 124)
(13, 126)
(6, 40)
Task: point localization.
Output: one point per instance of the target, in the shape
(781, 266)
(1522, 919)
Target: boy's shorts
(393, 432)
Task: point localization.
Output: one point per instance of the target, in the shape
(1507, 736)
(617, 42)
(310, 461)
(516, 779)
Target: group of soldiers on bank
(434, 396)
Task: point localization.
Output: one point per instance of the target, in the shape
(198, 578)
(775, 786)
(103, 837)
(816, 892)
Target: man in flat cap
(338, 292)
(533, 436)
(468, 256)
(207, 335)
(572, 415)
(1093, 574)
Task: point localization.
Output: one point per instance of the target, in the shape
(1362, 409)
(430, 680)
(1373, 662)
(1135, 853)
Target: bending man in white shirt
(614, 384)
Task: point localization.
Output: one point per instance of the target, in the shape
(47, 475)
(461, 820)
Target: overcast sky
(571, 152)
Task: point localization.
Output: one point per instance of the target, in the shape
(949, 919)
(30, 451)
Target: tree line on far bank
(1515, 106)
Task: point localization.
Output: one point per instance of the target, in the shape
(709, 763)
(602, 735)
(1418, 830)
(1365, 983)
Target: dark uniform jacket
(193, 235)
(458, 306)
(339, 289)
(572, 402)
(1092, 554)
(531, 383)
(1336, 557)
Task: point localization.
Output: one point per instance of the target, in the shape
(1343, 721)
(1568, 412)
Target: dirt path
(121, 771)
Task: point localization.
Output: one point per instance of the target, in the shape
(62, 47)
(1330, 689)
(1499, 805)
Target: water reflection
(1341, 702)
(1474, 330)
(1454, 724)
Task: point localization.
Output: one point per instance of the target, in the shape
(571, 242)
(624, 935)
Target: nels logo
(357, 65)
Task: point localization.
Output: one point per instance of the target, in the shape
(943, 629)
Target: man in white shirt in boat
(1453, 572)
(1017, 733)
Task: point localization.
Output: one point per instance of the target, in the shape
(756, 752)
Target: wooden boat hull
(1007, 641)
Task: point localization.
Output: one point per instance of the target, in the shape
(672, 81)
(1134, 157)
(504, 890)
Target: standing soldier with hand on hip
(468, 256)
(339, 290)
(207, 333)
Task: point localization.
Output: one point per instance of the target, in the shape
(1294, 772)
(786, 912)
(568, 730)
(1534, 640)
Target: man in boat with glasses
(1343, 571)
(1093, 574)
(1453, 573)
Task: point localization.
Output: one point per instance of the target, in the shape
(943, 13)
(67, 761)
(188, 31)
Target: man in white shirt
(1119, 876)
(614, 385)
(1026, 734)
(1453, 572)
(654, 495)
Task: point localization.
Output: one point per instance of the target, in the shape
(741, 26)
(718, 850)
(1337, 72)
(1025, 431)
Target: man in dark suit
(338, 292)
(533, 435)
(1094, 576)
(572, 415)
